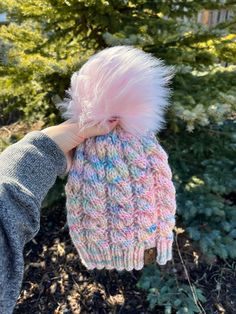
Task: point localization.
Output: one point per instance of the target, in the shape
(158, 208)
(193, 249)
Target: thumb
(100, 129)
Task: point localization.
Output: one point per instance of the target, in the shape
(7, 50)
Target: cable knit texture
(120, 201)
(120, 194)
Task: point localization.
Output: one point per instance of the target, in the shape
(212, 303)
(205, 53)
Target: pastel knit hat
(120, 194)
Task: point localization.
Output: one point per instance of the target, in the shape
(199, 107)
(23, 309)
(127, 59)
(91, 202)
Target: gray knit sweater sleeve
(28, 169)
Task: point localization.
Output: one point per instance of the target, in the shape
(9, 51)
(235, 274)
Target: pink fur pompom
(124, 82)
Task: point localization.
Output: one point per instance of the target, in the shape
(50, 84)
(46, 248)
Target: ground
(55, 281)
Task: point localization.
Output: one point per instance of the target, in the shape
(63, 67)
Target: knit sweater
(28, 169)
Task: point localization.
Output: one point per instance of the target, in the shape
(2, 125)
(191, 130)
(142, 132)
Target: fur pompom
(124, 82)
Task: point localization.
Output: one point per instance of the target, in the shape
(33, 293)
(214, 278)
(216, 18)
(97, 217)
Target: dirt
(55, 281)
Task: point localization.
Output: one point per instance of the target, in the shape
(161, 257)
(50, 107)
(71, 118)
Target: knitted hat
(120, 194)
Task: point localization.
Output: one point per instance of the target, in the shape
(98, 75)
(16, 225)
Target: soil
(55, 281)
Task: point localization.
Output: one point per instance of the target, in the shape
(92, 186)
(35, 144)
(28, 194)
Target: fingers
(98, 129)
(69, 121)
(69, 157)
(74, 132)
(102, 130)
(113, 123)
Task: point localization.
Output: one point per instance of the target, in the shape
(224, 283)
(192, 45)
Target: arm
(28, 169)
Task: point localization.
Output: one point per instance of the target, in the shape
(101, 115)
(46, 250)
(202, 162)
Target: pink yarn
(120, 194)
(118, 208)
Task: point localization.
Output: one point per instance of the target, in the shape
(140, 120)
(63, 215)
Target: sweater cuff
(34, 162)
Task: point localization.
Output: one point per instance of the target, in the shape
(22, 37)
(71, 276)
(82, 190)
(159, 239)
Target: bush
(165, 290)
(46, 41)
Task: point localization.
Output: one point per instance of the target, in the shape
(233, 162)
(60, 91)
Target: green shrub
(165, 290)
(46, 41)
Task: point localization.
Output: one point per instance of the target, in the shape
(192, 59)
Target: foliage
(56, 194)
(164, 290)
(46, 41)
(205, 171)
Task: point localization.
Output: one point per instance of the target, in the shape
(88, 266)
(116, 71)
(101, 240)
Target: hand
(69, 135)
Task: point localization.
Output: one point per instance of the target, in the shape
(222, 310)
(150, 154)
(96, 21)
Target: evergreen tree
(46, 40)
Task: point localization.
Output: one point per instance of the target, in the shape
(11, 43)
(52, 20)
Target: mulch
(55, 281)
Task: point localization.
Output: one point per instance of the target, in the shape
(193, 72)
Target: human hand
(69, 135)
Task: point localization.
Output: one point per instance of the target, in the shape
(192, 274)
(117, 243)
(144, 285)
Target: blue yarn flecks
(152, 228)
(138, 189)
(144, 204)
(114, 208)
(93, 178)
(98, 165)
(75, 173)
(79, 154)
(125, 143)
(137, 172)
(115, 180)
(114, 138)
(94, 159)
(171, 236)
(127, 243)
(102, 138)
